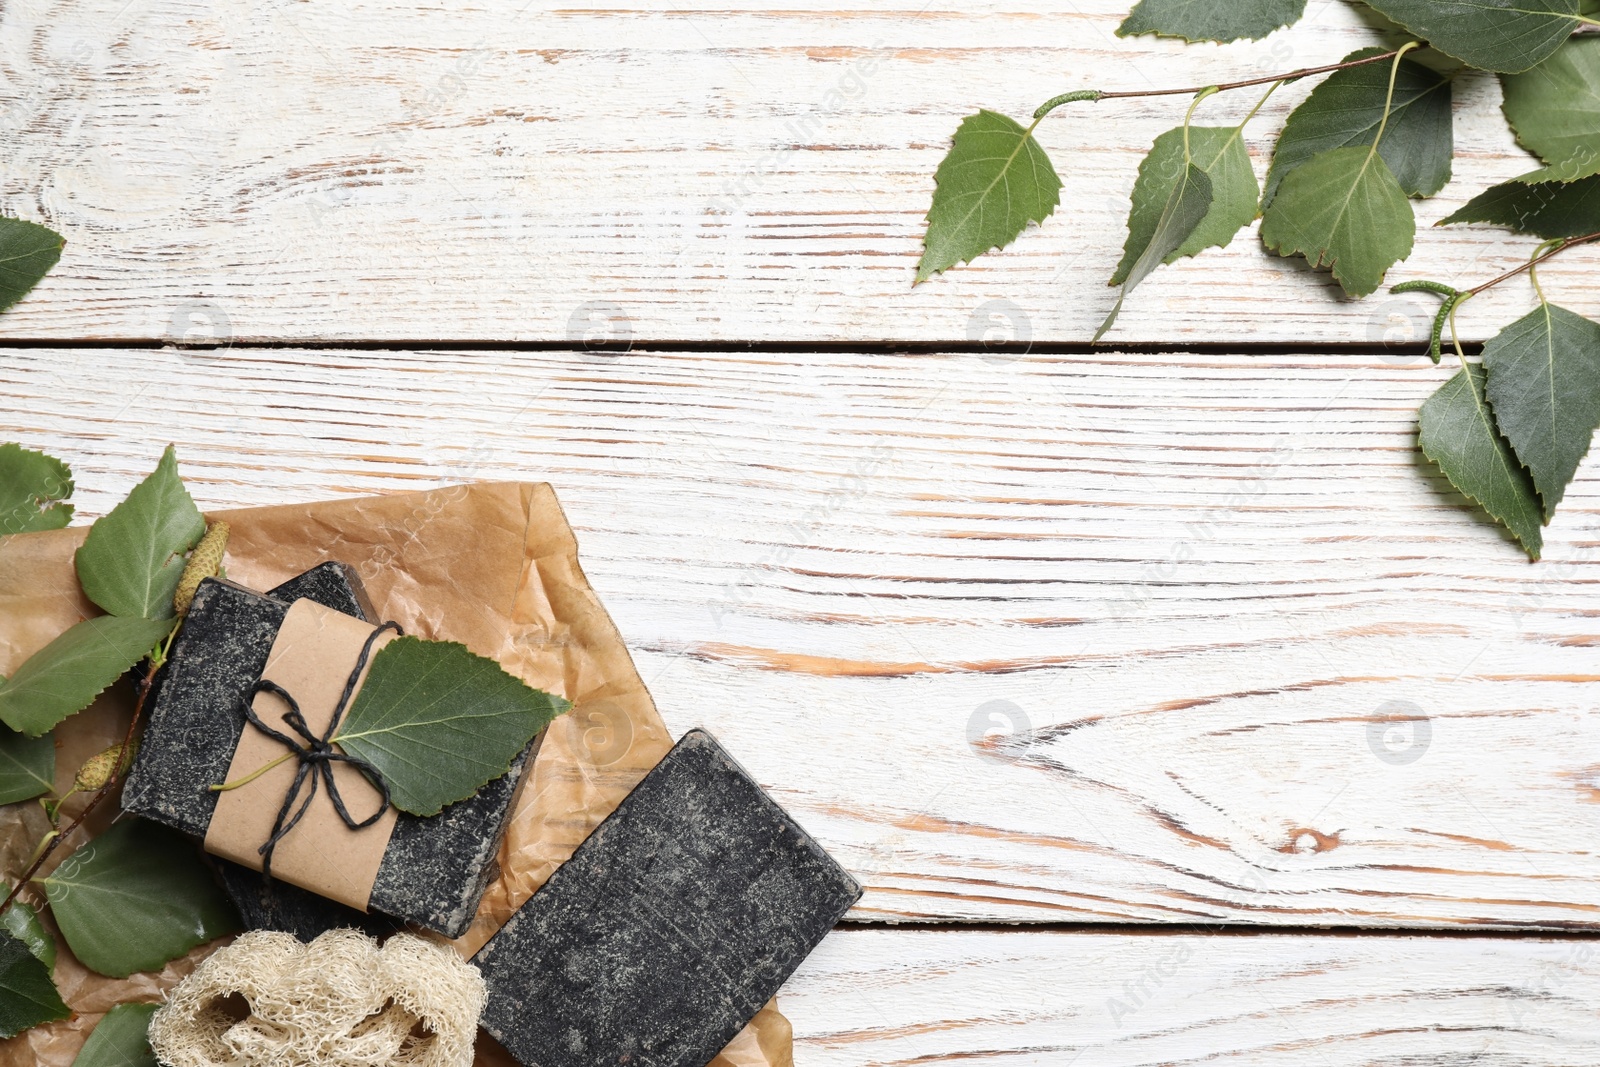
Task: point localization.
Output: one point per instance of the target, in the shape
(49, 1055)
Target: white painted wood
(1191, 589)
(884, 998)
(506, 169)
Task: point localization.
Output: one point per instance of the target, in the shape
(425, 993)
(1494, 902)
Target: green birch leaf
(27, 252)
(1544, 387)
(22, 922)
(438, 721)
(1457, 432)
(121, 1039)
(1547, 209)
(27, 764)
(1211, 20)
(132, 559)
(1555, 107)
(994, 181)
(32, 485)
(1220, 152)
(135, 898)
(1499, 35)
(1342, 209)
(65, 676)
(1347, 110)
(28, 995)
(1185, 208)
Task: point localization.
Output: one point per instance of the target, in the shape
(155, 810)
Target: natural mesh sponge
(268, 1000)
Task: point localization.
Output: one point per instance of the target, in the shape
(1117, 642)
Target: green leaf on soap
(22, 923)
(1544, 388)
(27, 764)
(133, 557)
(1547, 209)
(1342, 209)
(1220, 152)
(65, 676)
(1185, 207)
(1457, 431)
(438, 722)
(1555, 107)
(1347, 110)
(27, 252)
(121, 1039)
(28, 995)
(135, 898)
(1211, 20)
(994, 181)
(32, 486)
(1500, 35)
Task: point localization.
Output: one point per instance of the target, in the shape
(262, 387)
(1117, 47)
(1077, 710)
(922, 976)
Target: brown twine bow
(317, 756)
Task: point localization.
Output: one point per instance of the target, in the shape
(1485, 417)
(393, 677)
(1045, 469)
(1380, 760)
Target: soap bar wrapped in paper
(430, 871)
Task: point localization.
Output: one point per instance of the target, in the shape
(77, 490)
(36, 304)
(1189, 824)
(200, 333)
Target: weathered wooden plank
(1250, 659)
(1114, 1000)
(500, 170)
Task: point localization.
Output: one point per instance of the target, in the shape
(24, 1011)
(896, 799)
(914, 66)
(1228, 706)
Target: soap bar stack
(435, 869)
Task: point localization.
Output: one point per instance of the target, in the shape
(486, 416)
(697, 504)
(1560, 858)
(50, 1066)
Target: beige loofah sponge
(267, 1000)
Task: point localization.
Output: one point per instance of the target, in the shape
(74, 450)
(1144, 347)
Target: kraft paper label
(312, 657)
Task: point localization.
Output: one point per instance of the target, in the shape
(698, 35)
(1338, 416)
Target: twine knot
(315, 758)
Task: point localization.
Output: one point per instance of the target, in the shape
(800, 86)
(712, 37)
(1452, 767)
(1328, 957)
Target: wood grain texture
(493, 171)
(1117, 638)
(885, 998)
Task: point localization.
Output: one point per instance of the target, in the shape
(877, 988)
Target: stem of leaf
(1455, 337)
(253, 775)
(1130, 94)
(50, 843)
(1388, 101)
(1189, 115)
(1533, 266)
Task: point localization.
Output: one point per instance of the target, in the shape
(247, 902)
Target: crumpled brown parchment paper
(494, 566)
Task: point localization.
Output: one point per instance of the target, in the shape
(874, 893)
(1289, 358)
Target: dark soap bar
(435, 869)
(333, 585)
(271, 903)
(668, 929)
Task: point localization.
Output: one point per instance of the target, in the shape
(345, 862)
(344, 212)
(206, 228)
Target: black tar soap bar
(271, 903)
(434, 870)
(668, 929)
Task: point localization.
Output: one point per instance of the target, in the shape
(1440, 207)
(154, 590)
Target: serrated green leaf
(22, 923)
(1457, 431)
(135, 898)
(1344, 210)
(1211, 20)
(1217, 150)
(28, 995)
(438, 722)
(1185, 208)
(994, 181)
(1555, 107)
(27, 252)
(132, 559)
(32, 485)
(1544, 388)
(65, 676)
(121, 1039)
(27, 764)
(1548, 209)
(1347, 110)
(1500, 35)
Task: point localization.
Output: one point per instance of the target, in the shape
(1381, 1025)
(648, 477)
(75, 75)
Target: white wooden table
(1118, 676)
